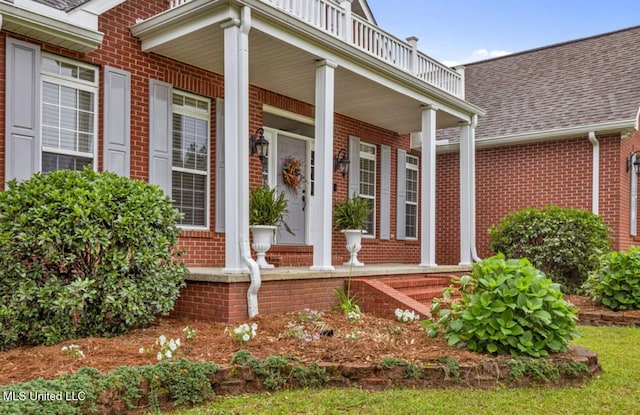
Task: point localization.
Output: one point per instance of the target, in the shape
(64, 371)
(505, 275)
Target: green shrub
(84, 254)
(89, 391)
(616, 284)
(563, 243)
(507, 307)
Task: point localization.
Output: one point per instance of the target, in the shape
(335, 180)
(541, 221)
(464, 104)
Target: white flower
(162, 339)
(168, 354)
(141, 350)
(398, 312)
(172, 345)
(64, 348)
(246, 337)
(159, 356)
(178, 342)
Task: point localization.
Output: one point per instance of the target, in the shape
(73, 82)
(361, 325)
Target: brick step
(421, 294)
(400, 284)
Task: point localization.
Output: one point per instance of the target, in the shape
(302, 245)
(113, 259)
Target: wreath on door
(292, 173)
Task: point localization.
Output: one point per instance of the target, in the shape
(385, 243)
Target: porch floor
(304, 273)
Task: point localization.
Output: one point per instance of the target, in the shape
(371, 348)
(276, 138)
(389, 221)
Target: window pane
(50, 93)
(189, 197)
(85, 143)
(50, 115)
(87, 74)
(411, 228)
(50, 137)
(69, 70)
(412, 185)
(85, 101)
(68, 97)
(190, 137)
(53, 162)
(50, 65)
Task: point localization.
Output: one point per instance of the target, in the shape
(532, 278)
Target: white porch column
(325, 72)
(465, 194)
(236, 133)
(428, 211)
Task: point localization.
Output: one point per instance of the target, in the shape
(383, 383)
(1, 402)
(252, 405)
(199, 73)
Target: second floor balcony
(335, 17)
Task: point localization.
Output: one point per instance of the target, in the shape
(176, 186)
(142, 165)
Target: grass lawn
(617, 391)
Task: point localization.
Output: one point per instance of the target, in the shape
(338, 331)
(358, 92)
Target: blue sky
(463, 31)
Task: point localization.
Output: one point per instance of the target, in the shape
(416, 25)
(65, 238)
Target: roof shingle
(582, 82)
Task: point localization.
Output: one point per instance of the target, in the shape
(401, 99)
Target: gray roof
(577, 83)
(66, 5)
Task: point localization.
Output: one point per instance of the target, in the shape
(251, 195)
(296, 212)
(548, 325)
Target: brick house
(560, 128)
(172, 91)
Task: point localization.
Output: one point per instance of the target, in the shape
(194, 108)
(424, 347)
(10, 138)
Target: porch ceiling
(287, 69)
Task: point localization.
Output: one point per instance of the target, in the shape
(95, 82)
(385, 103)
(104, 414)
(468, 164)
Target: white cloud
(480, 54)
(477, 55)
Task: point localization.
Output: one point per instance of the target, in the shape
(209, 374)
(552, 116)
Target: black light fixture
(341, 162)
(260, 146)
(634, 163)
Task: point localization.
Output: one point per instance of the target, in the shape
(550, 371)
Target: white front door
(290, 147)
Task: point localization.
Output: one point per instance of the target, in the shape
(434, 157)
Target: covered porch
(317, 52)
(215, 295)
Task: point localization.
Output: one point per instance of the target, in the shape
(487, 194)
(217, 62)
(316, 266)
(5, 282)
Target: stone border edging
(608, 318)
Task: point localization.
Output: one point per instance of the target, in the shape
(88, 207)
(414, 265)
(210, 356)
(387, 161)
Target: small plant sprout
(244, 332)
(310, 315)
(299, 332)
(73, 351)
(406, 316)
(168, 349)
(190, 333)
(354, 315)
(354, 335)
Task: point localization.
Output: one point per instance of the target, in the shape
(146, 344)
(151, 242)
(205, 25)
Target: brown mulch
(365, 342)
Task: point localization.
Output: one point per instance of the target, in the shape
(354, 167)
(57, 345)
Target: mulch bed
(343, 342)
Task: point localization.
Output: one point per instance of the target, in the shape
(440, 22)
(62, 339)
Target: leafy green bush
(563, 243)
(89, 391)
(84, 254)
(616, 284)
(506, 307)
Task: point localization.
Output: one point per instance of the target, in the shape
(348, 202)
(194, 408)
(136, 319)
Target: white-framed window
(69, 113)
(411, 202)
(368, 183)
(190, 158)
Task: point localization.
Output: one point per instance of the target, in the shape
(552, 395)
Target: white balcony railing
(336, 19)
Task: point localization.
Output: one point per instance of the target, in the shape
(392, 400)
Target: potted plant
(267, 210)
(350, 217)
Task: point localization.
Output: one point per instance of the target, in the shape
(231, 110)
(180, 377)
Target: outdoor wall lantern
(634, 163)
(341, 162)
(260, 146)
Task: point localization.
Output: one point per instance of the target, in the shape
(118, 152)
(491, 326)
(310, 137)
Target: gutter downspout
(254, 272)
(243, 114)
(595, 173)
(474, 248)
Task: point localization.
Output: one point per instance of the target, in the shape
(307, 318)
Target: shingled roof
(578, 83)
(65, 5)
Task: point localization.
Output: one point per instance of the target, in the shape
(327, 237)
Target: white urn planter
(262, 239)
(354, 243)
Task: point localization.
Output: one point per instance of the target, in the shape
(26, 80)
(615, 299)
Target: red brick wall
(228, 302)
(535, 175)
(206, 248)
